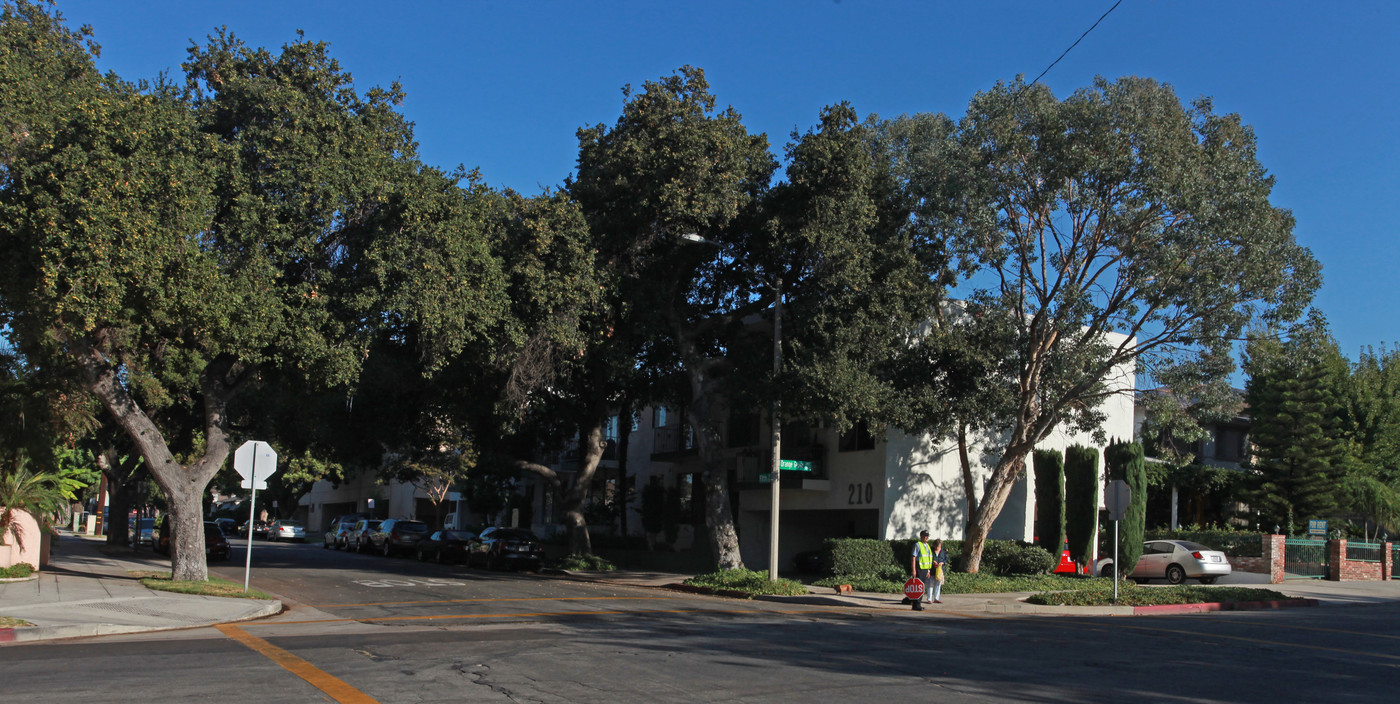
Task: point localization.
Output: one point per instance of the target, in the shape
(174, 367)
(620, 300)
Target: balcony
(674, 444)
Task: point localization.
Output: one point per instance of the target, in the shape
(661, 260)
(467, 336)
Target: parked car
(397, 535)
(216, 546)
(337, 536)
(446, 546)
(507, 548)
(286, 530)
(143, 532)
(227, 525)
(358, 537)
(1175, 561)
(259, 529)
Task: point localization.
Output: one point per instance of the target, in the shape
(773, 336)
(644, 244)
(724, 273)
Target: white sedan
(1175, 561)
(286, 530)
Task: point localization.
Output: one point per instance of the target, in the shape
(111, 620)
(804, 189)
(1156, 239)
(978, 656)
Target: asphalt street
(369, 629)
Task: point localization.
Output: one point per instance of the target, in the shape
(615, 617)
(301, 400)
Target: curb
(1165, 609)
(10, 580)
(33, 633)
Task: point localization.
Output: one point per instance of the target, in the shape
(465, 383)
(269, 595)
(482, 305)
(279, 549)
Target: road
(368, 629)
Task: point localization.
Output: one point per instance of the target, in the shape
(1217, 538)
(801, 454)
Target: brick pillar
(1336, 555)
(1387, 561)
(1273, 557)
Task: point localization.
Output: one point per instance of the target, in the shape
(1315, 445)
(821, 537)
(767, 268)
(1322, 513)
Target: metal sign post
(255, 461)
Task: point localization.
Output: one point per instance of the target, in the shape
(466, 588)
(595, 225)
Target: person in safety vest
(921, 565)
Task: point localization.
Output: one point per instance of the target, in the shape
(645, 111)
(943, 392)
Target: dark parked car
(227, 525)
(143, 532)
(216, 546)
(446, 546)
(337, 536)
(397, 535)
(358, 537)
(507, 548)
(259, 529)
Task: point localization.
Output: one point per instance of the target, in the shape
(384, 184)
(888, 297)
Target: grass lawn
(7, 622)
(215, 586)
(1100, 593)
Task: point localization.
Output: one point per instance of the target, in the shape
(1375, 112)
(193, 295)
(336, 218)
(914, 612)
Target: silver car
(1175, 561)
(286, 530)
(143, 531)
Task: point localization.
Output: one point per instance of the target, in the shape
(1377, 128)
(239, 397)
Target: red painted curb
(7, 635)
(1222, 606)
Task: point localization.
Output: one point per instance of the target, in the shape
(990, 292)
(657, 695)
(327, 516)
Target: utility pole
(776, 470)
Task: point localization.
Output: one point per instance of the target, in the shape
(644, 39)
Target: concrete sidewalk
(1323, 592)
(86, 592)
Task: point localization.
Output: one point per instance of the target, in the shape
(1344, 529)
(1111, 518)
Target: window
(857, 438)
(658, 417)
(610, 429)
(1229, 444)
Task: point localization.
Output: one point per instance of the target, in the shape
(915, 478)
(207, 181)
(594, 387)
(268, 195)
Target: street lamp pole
(776, 471)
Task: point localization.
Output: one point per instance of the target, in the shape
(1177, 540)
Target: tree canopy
(1117, 227)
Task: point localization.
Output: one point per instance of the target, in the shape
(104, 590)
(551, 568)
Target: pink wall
(10, 552)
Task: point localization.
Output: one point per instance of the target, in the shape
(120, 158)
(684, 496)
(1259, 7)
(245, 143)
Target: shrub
(1125, 461)
(1099, 592)
(866, 556)
(584, 563)
(1081, 501)
(748, 581)
(1050, 499)
(1011, 557)
(16, 571)
(1231, 542)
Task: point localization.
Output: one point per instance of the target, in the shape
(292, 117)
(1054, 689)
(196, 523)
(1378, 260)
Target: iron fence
(1304, 558)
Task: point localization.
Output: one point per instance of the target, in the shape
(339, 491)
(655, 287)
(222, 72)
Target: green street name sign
(795, 465)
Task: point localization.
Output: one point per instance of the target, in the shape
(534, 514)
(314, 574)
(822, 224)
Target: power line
(1075, 44)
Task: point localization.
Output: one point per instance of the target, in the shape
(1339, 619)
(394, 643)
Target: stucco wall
(11, 553)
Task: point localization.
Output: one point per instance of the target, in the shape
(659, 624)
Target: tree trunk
(183, 485)
(572, 497)
(719, 520)
(969, 482)
(999, 487)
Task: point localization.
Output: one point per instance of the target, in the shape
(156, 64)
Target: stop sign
(914, 589)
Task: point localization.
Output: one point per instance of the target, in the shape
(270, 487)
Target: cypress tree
(1126, 461)
(1050, 500)
(1081, 501)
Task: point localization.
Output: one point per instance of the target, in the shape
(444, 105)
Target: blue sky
(503, 86)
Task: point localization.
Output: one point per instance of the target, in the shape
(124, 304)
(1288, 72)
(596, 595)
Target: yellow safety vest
(925, 555)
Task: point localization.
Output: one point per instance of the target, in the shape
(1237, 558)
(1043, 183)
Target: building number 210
(858, 494)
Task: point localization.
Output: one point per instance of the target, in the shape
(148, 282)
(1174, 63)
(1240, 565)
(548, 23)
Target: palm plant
(40, 494)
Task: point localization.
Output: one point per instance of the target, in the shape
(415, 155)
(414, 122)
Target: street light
(775, 472)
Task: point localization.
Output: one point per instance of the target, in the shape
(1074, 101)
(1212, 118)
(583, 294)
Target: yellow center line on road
(333, 686)
(541, 614)
(466, 601)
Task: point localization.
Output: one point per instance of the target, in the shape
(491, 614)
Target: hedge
(869, 557)
(1231, 542)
